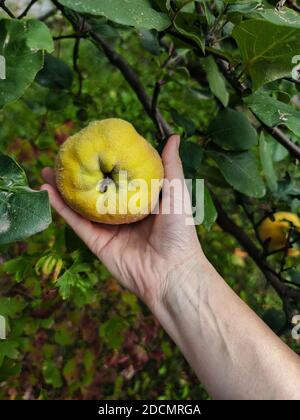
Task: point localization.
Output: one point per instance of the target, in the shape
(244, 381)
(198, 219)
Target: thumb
(171, 159)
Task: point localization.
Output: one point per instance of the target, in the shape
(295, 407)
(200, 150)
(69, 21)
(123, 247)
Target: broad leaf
(112, 332)
(137, 13)
(284, 17)
(149, 41)
(273, 112)
(22, 43)
(9, 307)
(266, 158)
(182, 121)
(52, 374)
(210, 212)
(55, 74)
(216, 80)
(240, 170)
(232, 130)
(243, 7)
(191, 155)
(189, 26)
(267, 48)
(23, 212)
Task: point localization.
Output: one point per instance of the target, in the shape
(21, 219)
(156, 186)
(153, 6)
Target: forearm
(234, 354)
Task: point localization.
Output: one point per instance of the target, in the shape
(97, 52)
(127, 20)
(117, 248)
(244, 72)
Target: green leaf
(184, 122)
(232, 130)
(52, 375)
(212, 175)
(64, 337)
(189, 26)
(210, 212)
(55, 74)
(240, 170)
(266, 152)
(71, 279)
(137, 13)
(38, 36)
(191, 155)
(9, 368)
(216, 80)
(285, 17)
(22, 43)
(279, 152)
(267, 49)
(101, 26)
(19, 266)
(243, 7)
(274, 318)
(112, 331)
(11, 173)
(8, 348)
(10, 307)
(273, 112)
(149, 41)
(23, 212)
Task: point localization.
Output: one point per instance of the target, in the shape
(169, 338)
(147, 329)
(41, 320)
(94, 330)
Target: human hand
(143, 254)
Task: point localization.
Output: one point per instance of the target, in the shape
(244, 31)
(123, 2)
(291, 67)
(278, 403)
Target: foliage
(222, 74)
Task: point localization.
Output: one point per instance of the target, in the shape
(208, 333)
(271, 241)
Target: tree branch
(76, 67)
(70, 36)
(27, 9)
(293, 5)
(6, 9)
(240, 88)
(131, 77)
(125, 68)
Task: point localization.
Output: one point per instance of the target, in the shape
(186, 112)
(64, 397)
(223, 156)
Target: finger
(95, 236)
(81, 226)
(171, 159)
(49, 177)
(175, 199)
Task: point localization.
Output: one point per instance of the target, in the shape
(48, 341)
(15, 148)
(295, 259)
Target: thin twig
(125, 68)
(76, 67)
(293, 5)
(27, 9)
(6, 9)
(70, 36)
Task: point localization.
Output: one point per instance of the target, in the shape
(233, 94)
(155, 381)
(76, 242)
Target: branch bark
(125, 68)
(32, 3)
(6, 9)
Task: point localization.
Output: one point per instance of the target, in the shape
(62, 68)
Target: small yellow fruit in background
(92, 168)
(275, 229)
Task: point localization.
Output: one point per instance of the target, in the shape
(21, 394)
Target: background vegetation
(73, 333)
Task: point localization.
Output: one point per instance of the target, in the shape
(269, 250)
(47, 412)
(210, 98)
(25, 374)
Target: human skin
(234, 354)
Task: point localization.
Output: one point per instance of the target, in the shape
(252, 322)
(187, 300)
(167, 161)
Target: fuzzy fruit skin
(100, 148)
(276, 227)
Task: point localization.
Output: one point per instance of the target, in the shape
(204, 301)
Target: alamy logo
(2, 67)
(2, 328)
(296, 329)
(296, 69)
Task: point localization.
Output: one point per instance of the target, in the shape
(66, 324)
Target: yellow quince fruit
(275, 228)
(108, 173)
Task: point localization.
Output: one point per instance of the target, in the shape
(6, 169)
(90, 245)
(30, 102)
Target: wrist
(183, 286)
